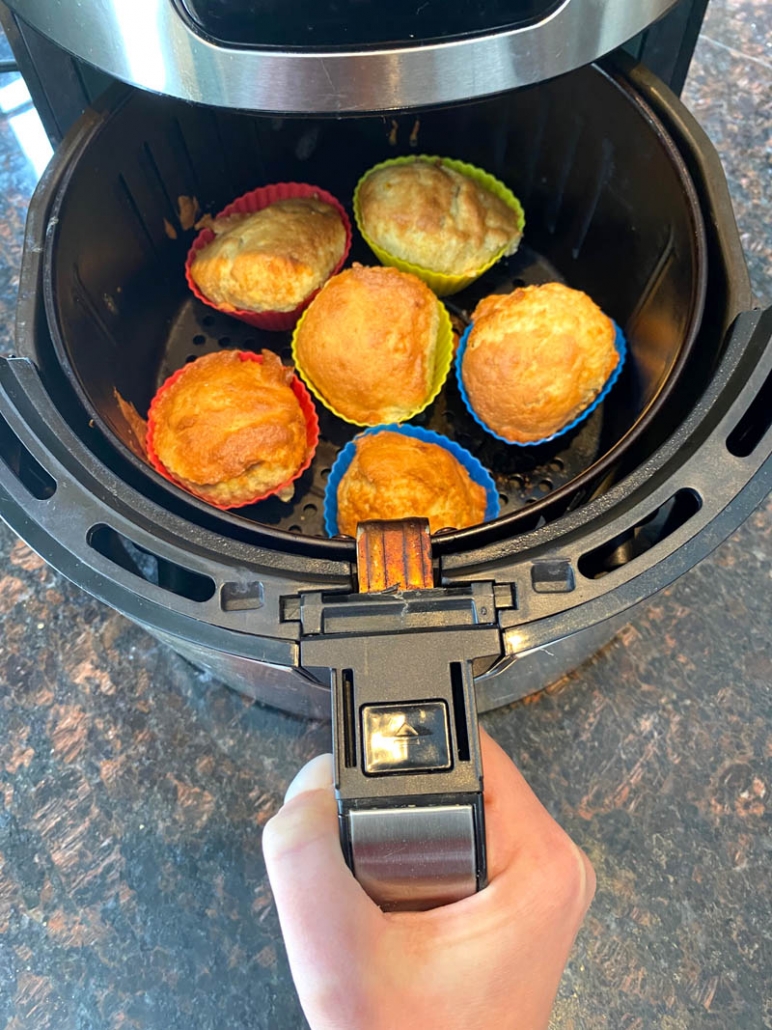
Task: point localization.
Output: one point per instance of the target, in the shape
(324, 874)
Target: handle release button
(406, 738)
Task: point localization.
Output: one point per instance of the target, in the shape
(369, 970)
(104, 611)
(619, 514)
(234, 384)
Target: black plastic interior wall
(122, 319)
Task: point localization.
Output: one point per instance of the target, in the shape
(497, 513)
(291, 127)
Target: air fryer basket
(582, 153)
(102, 306)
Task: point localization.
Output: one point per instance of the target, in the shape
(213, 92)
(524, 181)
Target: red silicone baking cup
(256, 200)
(312, 435)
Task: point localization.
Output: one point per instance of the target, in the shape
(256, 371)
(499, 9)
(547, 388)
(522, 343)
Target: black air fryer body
(624, 198)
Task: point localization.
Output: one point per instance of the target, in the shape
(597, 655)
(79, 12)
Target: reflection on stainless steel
(525, 670)
(281, 686)
(415, 858)
(148, 43)
(532, 664)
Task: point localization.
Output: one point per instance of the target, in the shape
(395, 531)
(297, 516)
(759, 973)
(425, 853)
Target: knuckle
(271, 838)
(591, 882)
(569, 879)
(280, 835)
(300, 824)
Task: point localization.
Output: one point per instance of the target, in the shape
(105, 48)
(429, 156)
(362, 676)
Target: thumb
(324, 913)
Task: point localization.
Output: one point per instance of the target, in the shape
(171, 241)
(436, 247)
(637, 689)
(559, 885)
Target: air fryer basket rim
(478, 536)
(93, 497)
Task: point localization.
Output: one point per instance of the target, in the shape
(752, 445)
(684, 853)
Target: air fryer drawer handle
(408, 769)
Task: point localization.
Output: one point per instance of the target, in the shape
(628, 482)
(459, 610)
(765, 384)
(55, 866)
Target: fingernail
(315, 775)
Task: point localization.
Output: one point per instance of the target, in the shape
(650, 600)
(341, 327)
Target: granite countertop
(133, 788)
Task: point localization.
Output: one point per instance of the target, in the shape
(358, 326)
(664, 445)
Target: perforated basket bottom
(523, 475)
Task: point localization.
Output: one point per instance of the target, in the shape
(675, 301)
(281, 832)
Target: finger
(512, 810)
(520, 831)
(318, 774)
(324, 913)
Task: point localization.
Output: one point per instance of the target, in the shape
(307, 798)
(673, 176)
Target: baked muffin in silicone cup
(391, 497)
(250, 203)
(569, 356)
(206, 423)
(374, 346)
(432, 223)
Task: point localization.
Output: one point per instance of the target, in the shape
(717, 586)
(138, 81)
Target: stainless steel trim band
(415, 858)
(149, 44)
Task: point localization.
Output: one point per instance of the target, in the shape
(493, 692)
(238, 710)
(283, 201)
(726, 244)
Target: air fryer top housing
(338, 56)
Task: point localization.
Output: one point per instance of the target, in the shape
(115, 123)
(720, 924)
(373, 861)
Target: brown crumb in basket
(169, 229)
(136, 424)
(393, 132)
(205, 222)
(458, 323)
(189, 210)
(458, 326)
(414, 134)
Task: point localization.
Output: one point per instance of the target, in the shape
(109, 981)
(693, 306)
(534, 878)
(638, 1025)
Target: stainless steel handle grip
(415, 858)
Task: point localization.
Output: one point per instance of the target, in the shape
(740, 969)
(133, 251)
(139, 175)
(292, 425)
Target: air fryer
(624, 198)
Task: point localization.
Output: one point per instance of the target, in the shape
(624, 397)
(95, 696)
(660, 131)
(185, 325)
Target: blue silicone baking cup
(620, 344)
(477, 472)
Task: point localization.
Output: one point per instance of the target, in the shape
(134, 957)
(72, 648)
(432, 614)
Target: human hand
(492, 961)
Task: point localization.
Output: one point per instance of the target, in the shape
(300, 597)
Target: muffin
(374, 345)
(395, 476)
(442, 216)
(272, 259)
(230, 428)
(535, 359)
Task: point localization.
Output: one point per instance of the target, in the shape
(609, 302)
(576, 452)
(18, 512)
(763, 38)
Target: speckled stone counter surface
(133, 789)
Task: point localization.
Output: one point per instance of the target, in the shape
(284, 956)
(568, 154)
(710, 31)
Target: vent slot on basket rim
(150, 567)
(638, 539)
(242, 597)
(754, 424)
(27, 469)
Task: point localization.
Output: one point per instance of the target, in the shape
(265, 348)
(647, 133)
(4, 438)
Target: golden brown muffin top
(225, 415)
(435, 217)
(536, 358)
(393, 476)
(273, 259)
(368, 343)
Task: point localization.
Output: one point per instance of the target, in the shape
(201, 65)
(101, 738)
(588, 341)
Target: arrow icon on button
(406, 730)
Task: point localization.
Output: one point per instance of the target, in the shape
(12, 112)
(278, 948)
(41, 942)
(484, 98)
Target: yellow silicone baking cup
(443, 356)
(442, 284)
